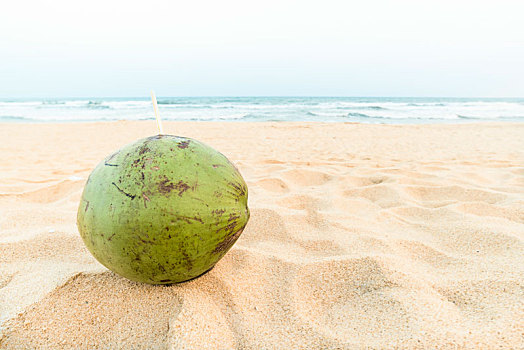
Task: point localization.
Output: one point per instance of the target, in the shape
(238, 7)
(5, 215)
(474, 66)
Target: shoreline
(152, 119)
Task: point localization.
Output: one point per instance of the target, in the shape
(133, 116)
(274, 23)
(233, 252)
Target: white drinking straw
(158, 120)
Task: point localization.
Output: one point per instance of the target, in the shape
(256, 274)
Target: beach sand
(375, 236)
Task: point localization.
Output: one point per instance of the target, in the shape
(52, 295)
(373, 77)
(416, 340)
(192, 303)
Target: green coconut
(164, 209)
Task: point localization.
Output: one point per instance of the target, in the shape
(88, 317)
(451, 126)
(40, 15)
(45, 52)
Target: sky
(125, 48)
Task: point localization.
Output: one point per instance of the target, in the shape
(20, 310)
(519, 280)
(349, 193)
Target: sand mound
(94, 309)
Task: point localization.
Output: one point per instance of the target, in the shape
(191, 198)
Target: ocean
(374, 110)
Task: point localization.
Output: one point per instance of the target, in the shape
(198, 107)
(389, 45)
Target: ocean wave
(12, 118)
(325, 114)
(189, 106)
(361, 115)
(53, 103)
(173, 102)
(398, 117)
(426, 104)
(466, 117)
(499, 117)
(362, 107)
(96, 105)
(205, 117)
(511, 117)
(19, 103)
(128, 104)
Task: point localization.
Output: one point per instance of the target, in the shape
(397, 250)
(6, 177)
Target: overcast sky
(268, 47)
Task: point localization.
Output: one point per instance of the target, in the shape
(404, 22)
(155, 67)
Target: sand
(360, 236)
